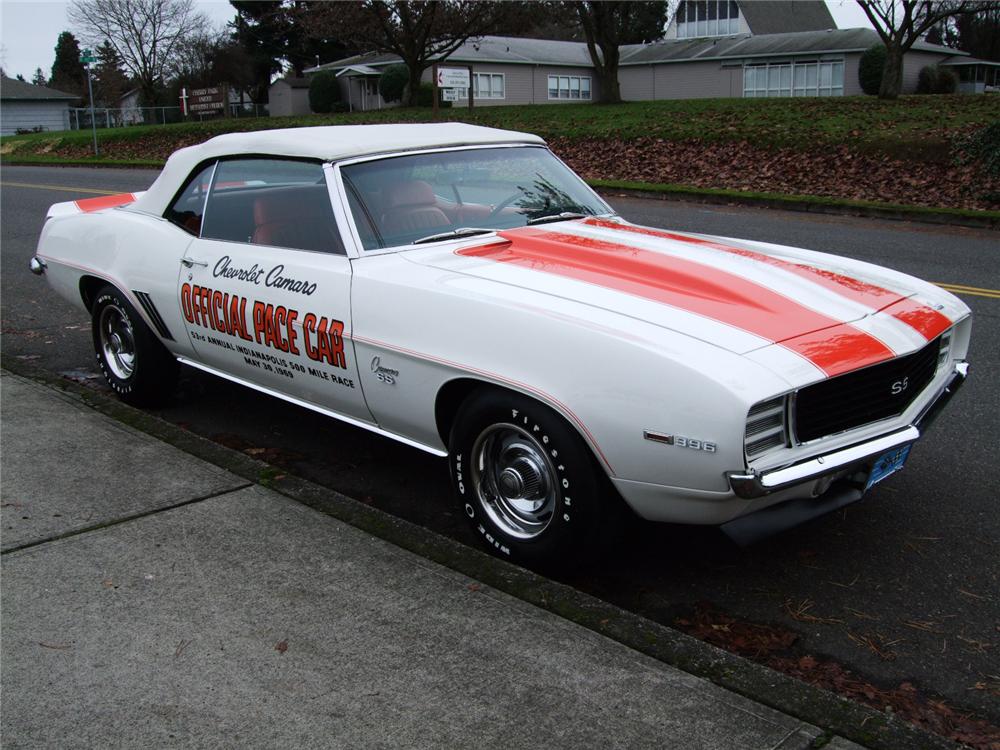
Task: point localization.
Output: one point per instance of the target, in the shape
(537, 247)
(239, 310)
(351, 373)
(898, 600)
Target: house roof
(493, 49)
(361, 70)
(971, 61)
(766, 45)
(785, 16)
(12, 89)
(295, 83)
(512, 50)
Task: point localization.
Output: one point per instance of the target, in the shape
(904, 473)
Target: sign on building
(453, 78)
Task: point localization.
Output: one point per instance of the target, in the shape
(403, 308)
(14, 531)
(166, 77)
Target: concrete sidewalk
(152, 599)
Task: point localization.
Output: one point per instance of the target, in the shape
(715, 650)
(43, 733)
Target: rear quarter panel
(130, 250)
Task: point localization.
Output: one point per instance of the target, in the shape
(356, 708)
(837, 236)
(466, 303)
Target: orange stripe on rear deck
(105, 201)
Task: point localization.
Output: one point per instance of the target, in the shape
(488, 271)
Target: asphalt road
(902, 587)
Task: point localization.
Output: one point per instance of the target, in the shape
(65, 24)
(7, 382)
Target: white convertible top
(329, 143)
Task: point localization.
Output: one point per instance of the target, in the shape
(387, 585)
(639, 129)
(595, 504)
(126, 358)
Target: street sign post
(88, 59)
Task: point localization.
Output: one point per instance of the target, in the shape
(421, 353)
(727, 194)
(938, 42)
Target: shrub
(935, 80)
(870, 69)
(982, 147)
(324, 92)
(927, 79)
(947, 81)
(425, 96)
(392, 82)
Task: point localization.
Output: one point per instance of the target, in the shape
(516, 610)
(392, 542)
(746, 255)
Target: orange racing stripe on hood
(925, 320)
(694, 287)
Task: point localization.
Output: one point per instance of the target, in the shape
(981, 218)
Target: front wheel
(527, 483)
(134, 362)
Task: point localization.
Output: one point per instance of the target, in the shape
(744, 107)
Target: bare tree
(421, 33)
(900, 23)
(608, 25)
(145, 34)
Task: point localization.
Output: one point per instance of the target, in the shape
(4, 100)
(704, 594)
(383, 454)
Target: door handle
(189, 262)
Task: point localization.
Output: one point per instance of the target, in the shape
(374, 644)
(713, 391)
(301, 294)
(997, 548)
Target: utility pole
(87, 58)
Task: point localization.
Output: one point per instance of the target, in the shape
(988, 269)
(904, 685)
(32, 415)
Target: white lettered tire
(526, 482)
(133, 361)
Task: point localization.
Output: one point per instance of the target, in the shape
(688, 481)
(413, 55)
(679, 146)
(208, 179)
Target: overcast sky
(28, 30)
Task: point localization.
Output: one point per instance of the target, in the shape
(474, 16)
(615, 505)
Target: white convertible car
(459, 289)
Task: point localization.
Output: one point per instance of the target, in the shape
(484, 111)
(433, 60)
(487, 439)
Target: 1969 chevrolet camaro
(459, 289)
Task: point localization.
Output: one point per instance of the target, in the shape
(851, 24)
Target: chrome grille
(865, 396)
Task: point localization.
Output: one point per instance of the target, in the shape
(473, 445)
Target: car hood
(837, 313)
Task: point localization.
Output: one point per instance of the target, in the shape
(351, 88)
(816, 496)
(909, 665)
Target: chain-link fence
(105, 117)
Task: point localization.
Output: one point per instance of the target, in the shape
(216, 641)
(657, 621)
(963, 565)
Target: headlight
(767, 427)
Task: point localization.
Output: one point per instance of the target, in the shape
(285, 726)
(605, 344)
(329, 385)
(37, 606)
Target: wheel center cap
(115, 343)
(511, 483)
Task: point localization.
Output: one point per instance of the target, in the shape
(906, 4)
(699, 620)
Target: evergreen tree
(67, 71)
(110, 81)
(39, 78)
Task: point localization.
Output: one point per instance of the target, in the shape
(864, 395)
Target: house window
(569, 87)
(698, 18)
(806, 78)
(486, 86)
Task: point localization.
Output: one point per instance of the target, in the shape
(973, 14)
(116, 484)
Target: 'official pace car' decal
(277, 327)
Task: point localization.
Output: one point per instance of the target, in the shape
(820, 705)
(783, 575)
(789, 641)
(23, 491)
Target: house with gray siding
(24, 106)
(800, 63)
(711, 49)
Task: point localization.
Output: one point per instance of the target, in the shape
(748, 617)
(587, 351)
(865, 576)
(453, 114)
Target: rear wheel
(527, 483)
(134, 362)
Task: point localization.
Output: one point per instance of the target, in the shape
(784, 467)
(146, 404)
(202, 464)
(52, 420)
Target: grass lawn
(911, 126)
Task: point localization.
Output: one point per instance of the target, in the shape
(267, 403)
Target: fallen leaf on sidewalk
(281, 646)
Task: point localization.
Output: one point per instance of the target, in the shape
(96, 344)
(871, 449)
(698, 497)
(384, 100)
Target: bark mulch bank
(837, 172)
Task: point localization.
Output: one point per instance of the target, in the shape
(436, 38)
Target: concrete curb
(832, 713)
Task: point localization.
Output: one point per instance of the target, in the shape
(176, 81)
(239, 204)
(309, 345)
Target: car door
(265, 287)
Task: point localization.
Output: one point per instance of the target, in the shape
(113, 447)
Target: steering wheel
(504, 203)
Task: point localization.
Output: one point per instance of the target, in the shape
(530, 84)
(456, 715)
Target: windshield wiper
(556, 217)
(462, 232)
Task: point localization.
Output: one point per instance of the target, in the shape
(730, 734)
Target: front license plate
(888, 463)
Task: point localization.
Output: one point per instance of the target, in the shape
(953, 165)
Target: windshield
(405, 199)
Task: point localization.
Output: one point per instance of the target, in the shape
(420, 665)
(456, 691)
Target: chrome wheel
(514, 480)
(117, 341)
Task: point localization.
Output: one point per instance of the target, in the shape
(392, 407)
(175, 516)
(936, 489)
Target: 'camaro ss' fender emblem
(385, 374)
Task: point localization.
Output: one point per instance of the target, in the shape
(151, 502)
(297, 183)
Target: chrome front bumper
(754, 484)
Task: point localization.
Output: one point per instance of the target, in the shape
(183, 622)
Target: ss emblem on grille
(899, 386)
